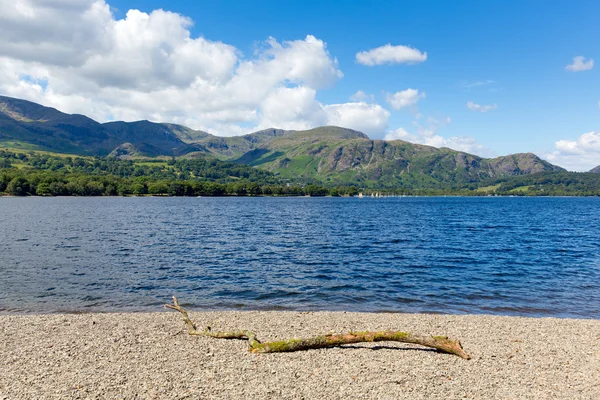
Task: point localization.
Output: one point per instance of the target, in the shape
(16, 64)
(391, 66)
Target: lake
(506, 256)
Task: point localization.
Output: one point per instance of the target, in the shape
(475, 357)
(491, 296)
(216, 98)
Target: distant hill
(332, 154)
(235, 146)
(328, 154)
(546, 183)
(46, 128)
(595, 170)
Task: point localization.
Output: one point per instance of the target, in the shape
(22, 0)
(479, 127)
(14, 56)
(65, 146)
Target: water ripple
(510, 256)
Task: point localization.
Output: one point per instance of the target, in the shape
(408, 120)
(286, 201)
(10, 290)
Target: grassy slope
(336, 155)
(543, 183)
(327, 154)
(29, 125)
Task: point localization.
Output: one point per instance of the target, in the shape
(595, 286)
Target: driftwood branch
(441, 343)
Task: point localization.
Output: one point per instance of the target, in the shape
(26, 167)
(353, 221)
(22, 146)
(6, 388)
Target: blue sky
(507, 58)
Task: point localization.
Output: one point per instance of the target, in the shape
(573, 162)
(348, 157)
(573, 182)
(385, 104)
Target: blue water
(508, 256)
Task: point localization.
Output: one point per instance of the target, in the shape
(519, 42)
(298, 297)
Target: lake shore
(151, 356)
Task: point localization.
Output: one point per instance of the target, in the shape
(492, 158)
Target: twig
(441, 343)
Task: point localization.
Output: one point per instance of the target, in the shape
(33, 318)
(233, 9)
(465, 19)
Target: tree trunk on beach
(441, 343)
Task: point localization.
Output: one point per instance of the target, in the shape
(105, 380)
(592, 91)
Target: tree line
(39, 174)
(560, 183)
(48, 175)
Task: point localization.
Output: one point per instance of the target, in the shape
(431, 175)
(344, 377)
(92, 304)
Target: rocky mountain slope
(341, 155)
(328, 154)
(46, 128)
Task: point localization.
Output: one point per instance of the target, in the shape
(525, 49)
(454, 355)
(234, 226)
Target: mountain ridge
(325, 154)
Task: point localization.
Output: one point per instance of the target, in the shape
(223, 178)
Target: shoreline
(5, 313)
(150, 355)
(313, 197)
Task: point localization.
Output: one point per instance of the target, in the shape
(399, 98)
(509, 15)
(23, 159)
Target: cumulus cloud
(54, 32)
(404, 98)
(478, 107)
(467, 144)
(427, 134)
(76, 56)
(292, 108)
(581, 154)
(389, 54)
(371, 119)
(580, 64)
(297, 108)
(400, 134)
(362, 96)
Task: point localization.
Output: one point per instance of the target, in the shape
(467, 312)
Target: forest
(49, 174)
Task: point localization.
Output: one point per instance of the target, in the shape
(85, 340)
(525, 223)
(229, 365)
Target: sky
(487, 77)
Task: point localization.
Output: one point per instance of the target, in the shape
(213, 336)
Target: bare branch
(441, 343)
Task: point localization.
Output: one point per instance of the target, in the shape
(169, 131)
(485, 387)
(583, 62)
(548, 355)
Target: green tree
(18, 187)
(110, 190)
(253, 189)
(139, 189)
(4, 179)
(43, 189)
(316, 190)
(124, 189)
(176, 189)
(352, 191)
(58, 189)
(94, 188)
(158, 188)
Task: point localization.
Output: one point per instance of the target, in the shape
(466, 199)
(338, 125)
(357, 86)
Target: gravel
(151, 356)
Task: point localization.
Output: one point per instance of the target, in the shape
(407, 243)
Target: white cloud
(467, 144)
(75, 56)
(404, 98)
(371, 119)
(400, 134)
(297, 108)
(389, 54)
(580, 64)
(362, 96)
(581, 154)
(427, 135)
(154, 51)
(470, 85)
(292, 108)
(477, 107)
(588, 142)
(54, 32)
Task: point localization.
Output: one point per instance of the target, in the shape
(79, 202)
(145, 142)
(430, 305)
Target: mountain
(595, 170)
(560, 183)
(46, 128)
(327, 154)
(234, 146)
(332, 154)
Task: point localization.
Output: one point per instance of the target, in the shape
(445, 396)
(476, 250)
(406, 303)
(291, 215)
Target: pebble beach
(151, 356)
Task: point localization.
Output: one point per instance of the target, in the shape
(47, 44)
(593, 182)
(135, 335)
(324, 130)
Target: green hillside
(30, 125)
(25, 173)
(561, 183)
(46, 174)
(329, 155)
